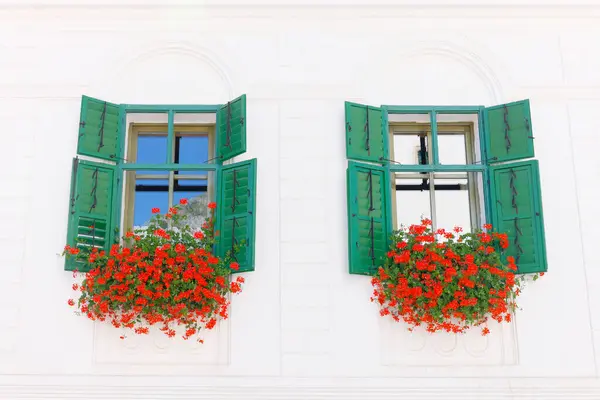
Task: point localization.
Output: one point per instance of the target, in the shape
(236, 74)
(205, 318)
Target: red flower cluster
(447, 284)
(163, 276)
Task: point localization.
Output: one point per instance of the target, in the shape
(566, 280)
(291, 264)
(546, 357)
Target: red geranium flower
(166, 278)
(447, 285)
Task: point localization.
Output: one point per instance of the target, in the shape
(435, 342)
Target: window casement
(148, 143)
(131, 158)
(457, 165)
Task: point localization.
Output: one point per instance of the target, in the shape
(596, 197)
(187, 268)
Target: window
(147, 144)
(457, 165)
(447, 198)
(131, 158)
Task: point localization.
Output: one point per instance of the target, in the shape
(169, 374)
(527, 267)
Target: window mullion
(473, 209)
(432, 201)
(170, 137)
(434, 142)
(171, 193)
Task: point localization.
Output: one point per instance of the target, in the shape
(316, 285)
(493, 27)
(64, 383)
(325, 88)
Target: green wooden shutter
(231, 121)
(508, 132)
(99, 134)
(366, 133)
(517, 210)
(368, 216)
(91, 208)
(236, 212)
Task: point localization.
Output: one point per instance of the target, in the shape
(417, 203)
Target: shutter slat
(368, 221)
(231, 129)
(99, 129)
(509, 132)
(236, 212)
(366, 133)
(517, 211)
(91, 208)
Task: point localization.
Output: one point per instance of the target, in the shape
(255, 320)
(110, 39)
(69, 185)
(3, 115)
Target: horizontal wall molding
(76, 13)
(249, 392)
(301, 3)
(293, 92)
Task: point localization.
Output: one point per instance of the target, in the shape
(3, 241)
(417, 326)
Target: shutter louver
(91, 208)
(366, 133)
(236, 212)
(99, 134)
(508, 132)
(231, 129)
(517, 210)
(368, 220)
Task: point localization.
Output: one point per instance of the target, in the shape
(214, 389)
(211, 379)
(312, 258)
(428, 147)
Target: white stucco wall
(303, 328)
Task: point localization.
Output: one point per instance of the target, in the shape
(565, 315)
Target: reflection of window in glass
(162, 188)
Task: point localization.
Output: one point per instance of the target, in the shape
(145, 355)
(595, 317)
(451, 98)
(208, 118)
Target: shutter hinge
(73, 183)
(507, 142)
(372, 237)
(514, 193)
(94, 188)
(234, 223)
(370, 190)
(368, 132)
(228, 133)
(235, 183)
(101, 133)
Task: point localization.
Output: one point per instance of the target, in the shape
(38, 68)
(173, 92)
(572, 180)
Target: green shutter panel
(99, 129)
(517, 210)
(236, 212)
(90, 208)
(366, 133)
(508, 132)
(231, 132)
(368, 217)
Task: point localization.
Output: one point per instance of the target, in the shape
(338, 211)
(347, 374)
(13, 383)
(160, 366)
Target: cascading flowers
(164, 275)
(447, 281)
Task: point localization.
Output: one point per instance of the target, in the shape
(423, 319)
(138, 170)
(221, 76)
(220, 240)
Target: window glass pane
(457, 201)
(407, 149)
(185, 179)
(151, 149)
(412, 199)
(149, 194)
(452, 148)
(192, 149)
(152, 177)
(196, 193)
